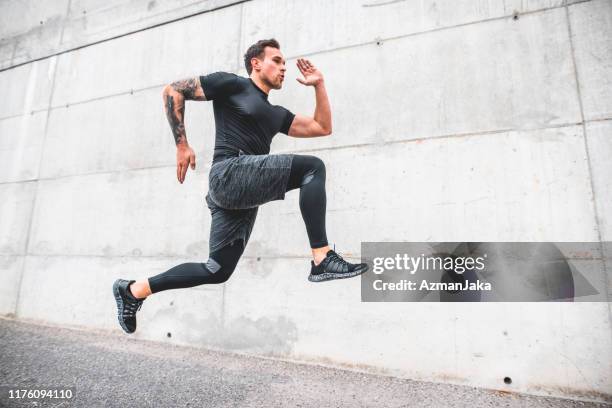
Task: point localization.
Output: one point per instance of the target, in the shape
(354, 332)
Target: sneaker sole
(119, 301)
(331, 276)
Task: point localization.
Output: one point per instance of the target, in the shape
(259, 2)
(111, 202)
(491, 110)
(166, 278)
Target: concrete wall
(453, 121)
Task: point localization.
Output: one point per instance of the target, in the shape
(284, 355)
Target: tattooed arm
(175, 95)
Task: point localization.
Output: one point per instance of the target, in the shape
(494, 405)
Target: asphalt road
(114, 370)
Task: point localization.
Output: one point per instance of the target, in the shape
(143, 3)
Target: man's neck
(261, 84)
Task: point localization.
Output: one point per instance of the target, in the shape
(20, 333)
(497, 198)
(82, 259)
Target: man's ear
(255, 62)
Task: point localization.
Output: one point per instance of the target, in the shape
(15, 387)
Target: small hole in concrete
(41, 22)
(258, 259)
(515, 17)
(507, 380)
(169, 334)
(171, 303)
(378, 42)
(84, 12)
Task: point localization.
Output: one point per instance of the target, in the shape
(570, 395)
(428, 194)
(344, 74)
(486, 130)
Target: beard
(273, 85)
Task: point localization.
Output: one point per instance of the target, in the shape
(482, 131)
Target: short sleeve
(287, 120)
(218, 85)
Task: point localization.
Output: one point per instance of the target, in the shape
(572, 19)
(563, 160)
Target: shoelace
(334, 257)
(130, 308)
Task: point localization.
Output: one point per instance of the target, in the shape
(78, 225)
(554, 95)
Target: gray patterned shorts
(237, 187)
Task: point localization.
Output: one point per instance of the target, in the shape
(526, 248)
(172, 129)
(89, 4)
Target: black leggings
(307, 174)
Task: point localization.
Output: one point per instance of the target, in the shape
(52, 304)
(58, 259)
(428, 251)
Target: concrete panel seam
(92, 173)
(545, 9)
(53, 63)
(437, 137)
(165, 257)
(331, 148)
(565, 2)
(97, 98)
(123, 35)
(137, 90)
(18, 115)
(18, 182)
(289, 57)
(425, 32)
(588, 156)
(61, 38)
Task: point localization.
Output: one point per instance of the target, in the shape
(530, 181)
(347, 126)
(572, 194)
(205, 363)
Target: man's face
(272, 69)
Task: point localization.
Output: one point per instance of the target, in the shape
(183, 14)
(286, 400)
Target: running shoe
(127, 305)
(334, 267)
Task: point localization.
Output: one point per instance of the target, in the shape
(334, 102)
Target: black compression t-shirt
(244, 119)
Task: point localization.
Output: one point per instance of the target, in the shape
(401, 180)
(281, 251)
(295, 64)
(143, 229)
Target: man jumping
(243, 174)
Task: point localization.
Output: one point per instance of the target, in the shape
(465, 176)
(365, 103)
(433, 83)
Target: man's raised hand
(312, 76)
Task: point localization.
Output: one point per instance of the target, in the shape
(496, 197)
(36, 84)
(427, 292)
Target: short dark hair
(257, 51)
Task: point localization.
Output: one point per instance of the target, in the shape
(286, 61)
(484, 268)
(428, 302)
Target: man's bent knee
(219, 273)
(317, 169)
(222, 263)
